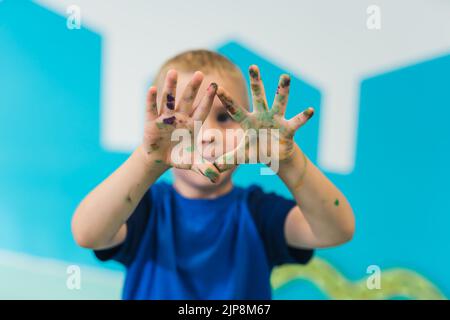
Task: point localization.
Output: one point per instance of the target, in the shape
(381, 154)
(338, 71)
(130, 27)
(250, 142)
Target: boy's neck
(191, 191)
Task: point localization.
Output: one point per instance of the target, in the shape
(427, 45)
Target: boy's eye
(223, 117)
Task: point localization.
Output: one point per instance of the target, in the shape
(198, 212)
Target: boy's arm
(323, 216)
(99, 221)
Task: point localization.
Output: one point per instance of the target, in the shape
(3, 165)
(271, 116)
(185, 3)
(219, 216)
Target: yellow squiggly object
(394, 282)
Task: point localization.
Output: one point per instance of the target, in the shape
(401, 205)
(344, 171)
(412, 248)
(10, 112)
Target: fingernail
(308, 112)
(214, 86)
(198, 73)
(285, 81)
(253, 72)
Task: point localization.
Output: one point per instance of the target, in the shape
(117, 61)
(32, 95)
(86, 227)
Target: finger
(281, 97)
(202, 110)
(299, 120)
(189, 94)
(258, 93)
(208, 170)
(151, 111)
(169, 91)
(238, 113)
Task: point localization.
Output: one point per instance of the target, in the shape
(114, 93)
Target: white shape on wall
(326, 43)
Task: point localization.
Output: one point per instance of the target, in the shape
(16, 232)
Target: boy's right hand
(161, 123)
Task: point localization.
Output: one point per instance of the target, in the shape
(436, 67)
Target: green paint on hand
(190, 149)
(238, 116)
(336, 202)
(161, 125)
(256, 89)
(281, 98)
(158, 161)
(211, 174)
(265, 116)
(275, 109)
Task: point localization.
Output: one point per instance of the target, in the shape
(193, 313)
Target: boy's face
(212, 137)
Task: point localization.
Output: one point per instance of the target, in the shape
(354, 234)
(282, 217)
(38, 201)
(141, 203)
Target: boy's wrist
(294, 155)
(293, 169)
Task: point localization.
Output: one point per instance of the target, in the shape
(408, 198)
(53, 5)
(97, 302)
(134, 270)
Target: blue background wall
(50, 155)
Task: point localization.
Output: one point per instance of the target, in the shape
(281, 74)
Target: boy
(202, 237)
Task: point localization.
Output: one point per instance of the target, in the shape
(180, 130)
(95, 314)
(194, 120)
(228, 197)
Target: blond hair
(200, 60)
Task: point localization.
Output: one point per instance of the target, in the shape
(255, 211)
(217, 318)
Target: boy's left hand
(264, 118)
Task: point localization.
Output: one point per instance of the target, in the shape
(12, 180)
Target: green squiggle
(394, 282)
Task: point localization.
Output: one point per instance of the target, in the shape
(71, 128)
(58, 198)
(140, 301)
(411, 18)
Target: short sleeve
(269, 212)
(136, 225)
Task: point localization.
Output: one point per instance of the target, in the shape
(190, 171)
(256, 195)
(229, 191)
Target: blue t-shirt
(222, 248)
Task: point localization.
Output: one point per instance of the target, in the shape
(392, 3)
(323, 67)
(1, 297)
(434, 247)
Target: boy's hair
(199, 60)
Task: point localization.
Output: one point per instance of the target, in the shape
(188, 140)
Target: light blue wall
(50, 154)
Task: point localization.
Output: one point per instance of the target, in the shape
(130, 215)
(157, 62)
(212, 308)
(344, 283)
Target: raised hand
(263, 118)
(163, 121)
